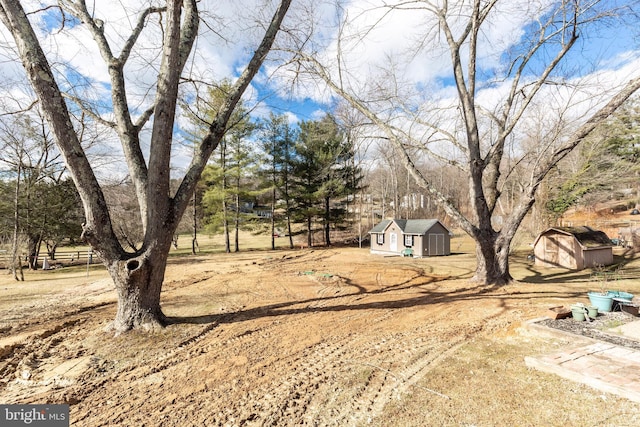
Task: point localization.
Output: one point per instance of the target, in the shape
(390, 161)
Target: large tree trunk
(492, 256)
(138, 281)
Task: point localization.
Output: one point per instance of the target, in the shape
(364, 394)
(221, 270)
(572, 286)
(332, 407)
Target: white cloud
(373, 40)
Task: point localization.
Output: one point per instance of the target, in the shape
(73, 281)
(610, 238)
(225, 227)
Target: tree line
(269, 176)
(274, 177)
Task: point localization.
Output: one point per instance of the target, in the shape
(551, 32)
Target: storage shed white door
(393, 242)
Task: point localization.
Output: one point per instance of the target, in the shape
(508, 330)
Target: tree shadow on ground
(395, 299)
(555, 275)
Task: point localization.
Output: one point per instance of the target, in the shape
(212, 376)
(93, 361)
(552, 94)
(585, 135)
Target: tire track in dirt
(298, 391)
(317, 377)
(29, 331)
(293, 358)
(295, 397)
(284, 399)
(210, 342)
(386, 366)
(21, 362)
(289, 402)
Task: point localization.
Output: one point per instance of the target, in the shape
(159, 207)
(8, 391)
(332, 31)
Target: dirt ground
(323, 337)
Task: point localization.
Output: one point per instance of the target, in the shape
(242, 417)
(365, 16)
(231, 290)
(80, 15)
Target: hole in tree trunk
(132, 265)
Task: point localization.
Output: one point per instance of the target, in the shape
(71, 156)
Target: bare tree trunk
(236, 223)
(289, 223)
(16, 263)
(194, 239)
(225, 219)
(138, 285)
(492, 256)
(225, 225)
(288, 206)
(33, 249)
(273, 218)
(327, 221)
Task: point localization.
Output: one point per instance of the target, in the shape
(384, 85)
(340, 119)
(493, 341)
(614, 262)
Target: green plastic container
(579, 312)
(602, 302)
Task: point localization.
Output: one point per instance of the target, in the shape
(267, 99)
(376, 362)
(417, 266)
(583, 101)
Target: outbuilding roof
(586, 236)
(381, 226)
(408, 226)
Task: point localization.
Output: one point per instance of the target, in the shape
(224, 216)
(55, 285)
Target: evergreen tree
(223, 176)
(325, 174)
(241, 168)
(278, 138)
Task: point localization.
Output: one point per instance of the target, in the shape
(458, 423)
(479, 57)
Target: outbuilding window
(380, 239)
(408, 240)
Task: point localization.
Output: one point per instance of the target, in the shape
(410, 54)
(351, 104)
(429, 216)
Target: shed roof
(408, 226)
(586, 236)
(381, 226)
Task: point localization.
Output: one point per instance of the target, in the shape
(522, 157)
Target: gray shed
(410, 237)
(575, 248)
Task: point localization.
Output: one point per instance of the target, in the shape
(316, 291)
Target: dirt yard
(322, 337)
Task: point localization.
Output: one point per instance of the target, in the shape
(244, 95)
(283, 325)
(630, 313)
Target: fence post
(89, 259)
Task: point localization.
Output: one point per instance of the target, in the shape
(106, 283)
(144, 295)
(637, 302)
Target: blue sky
(224, 45)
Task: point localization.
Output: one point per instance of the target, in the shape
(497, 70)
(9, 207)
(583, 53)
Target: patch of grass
(610, 324)
(489, 384)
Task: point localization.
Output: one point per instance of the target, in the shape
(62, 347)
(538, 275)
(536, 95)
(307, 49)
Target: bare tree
(138, 275)
(482, 136)
(29, 153)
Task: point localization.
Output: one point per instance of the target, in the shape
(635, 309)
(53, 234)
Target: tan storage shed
(574, 248)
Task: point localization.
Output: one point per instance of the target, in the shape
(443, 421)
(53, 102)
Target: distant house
(575, 248)
(410, 237)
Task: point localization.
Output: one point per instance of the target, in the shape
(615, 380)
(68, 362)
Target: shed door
(436, 244)
(566, 252)
(559, 251)
(551, 250)
(393, 242)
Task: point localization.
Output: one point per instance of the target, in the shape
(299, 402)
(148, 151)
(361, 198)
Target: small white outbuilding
(410, 237)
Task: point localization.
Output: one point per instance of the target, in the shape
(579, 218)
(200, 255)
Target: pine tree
(325, 174)
(278, 138)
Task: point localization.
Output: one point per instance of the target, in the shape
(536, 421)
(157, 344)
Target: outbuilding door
(559, 251)
(393, 242)
(566, 253)
(436, 244)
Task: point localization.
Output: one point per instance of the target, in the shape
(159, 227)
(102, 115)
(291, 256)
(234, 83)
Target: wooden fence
(62, 258)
